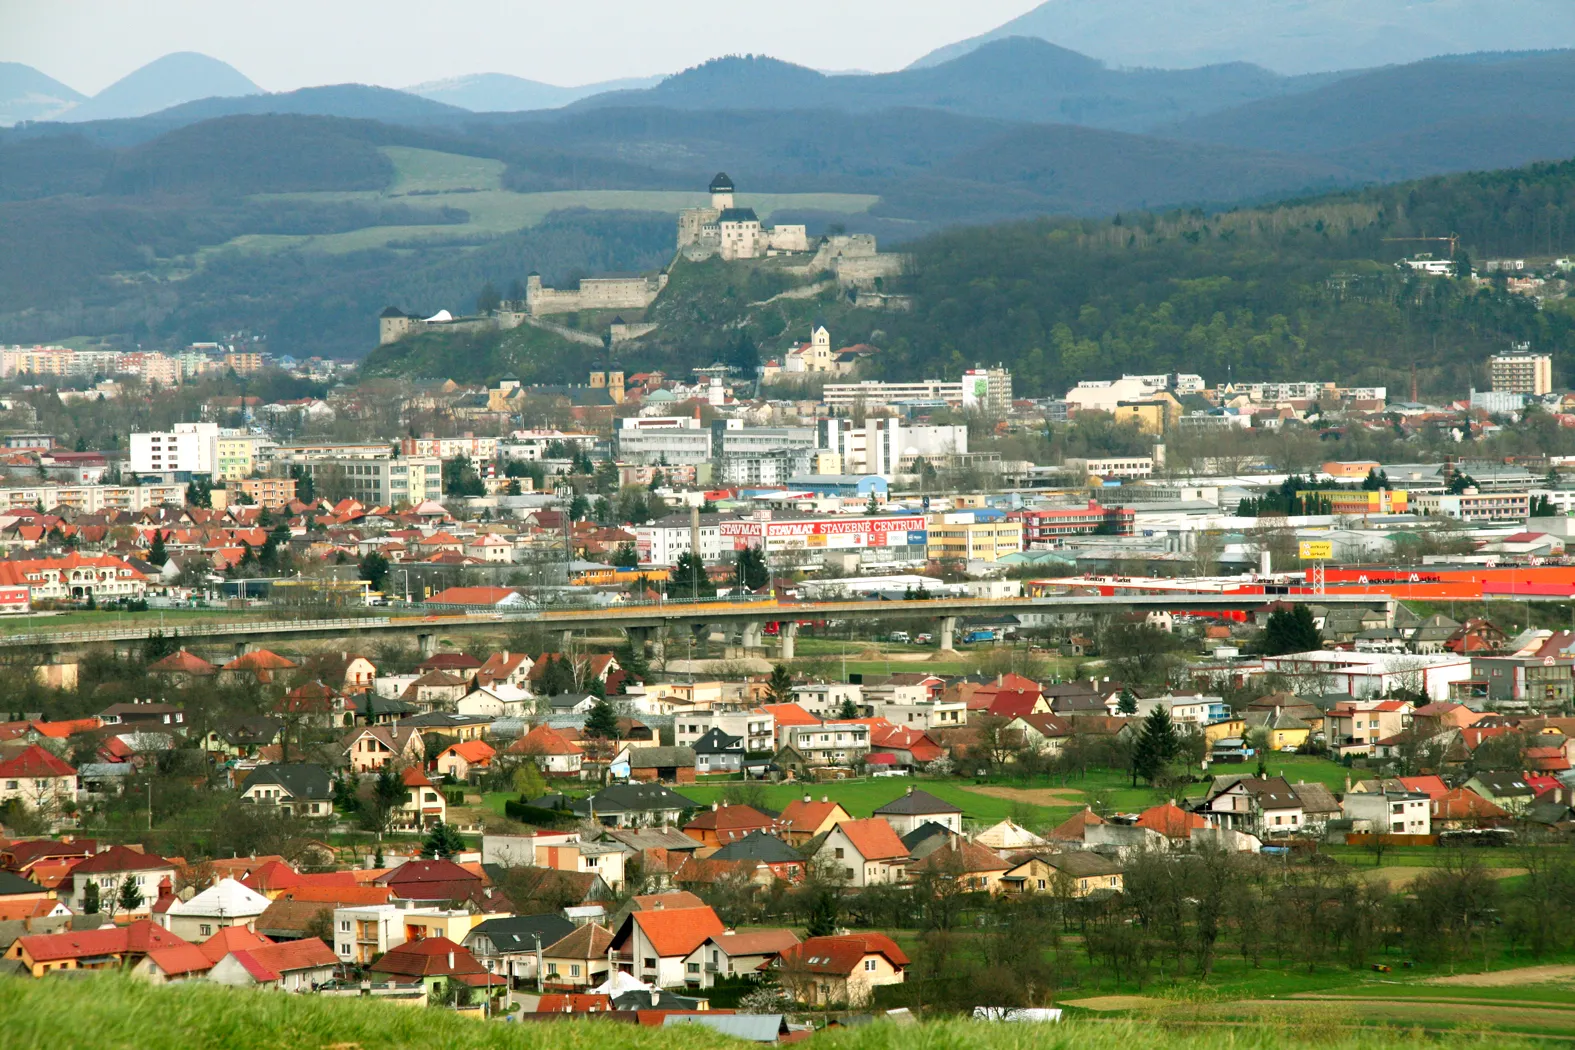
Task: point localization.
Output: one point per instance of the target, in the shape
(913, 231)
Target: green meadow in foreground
(112, 1012)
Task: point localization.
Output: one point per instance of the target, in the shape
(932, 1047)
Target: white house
(225, 903)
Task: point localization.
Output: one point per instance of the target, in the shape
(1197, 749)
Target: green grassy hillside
(107, 1013)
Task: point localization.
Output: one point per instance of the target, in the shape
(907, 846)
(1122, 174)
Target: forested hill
(1304, 290)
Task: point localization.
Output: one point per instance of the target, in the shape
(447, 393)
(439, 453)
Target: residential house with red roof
(434, 963)
(259, 665)
(1461, 808)
(184, 665)
(655, 946)
(505, 668)
(868, 851)
(38, 780)
(804, 818)
(112, 869)
(460, 760)
(968, 865)
(723, 824)
(845, 969)
(107, 948)
(1171, 821)
(289, 966)
(102, 577)
(912, 748)
(425, 804)
(553, 752)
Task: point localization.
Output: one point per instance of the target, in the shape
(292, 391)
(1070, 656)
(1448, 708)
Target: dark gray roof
(441, 720)
(716, 742)
(926, 838)
(1505, 784)
(568, 701)
(652, 757)
(1315, 798)
(759, 846)
(738, 215)
(515, 934)
(370, 705)
(12, 884)
(300, 779)
(392, 311)
(640, 798)
(721, 184)
(915, 803)
(655, 999)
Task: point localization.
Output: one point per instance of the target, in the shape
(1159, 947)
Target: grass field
(117, 1013)
(428, 178)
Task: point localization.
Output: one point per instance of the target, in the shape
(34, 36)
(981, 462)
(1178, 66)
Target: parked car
(900, 637)
(924, 639)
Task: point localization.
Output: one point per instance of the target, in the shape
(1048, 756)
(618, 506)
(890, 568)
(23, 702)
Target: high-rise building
(1521, 372)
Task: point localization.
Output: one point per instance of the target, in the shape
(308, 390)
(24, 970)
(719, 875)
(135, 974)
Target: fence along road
(656, 614)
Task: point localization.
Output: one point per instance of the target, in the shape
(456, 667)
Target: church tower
(721, 192)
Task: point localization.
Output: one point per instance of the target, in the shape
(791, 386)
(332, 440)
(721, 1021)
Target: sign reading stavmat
(1315, 550)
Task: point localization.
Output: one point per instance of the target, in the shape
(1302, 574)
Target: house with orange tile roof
(655, 946)
(804, 818)
(425, 804)
(183, 664)
(723, 824)
(434, 963)
(259, 665)
(968, 865)
(550, 750)
(505, 668)
(460, 760)
(107, 948)
(731, 954)
(1171, 821)
(868, 851)
(290, 966)
(38, 781)
(1461, 808)
(844, 969)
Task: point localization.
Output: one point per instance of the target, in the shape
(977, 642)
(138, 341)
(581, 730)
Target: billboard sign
(975, 388)
(1315, 550)
(828, 533)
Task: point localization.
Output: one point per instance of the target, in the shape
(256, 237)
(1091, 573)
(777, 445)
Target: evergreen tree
(1291, 631)
(626, 555)
(374, 569)
(557, 677)
(442, 841)
(779, 687)
(488, 299)
(1127, 705)
(689, 578)
(751, 573)
(345, 800)
(388, 794)
(130, 894)
(157, 555)
(1157, 744)
(305, 487)
(823, 915)
(602, 722)
(579, 508)
(847, 710)
(90, 903)
(156, 646)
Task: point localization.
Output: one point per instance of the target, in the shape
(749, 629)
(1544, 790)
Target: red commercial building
(1042, 527)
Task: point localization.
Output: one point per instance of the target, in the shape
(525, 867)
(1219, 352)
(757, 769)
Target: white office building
(191, 448)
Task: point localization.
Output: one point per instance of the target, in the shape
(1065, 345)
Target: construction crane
(1453, 240)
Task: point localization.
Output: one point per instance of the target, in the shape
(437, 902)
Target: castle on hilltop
(732, 232)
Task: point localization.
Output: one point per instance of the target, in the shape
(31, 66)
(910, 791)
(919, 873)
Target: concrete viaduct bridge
(640, 621)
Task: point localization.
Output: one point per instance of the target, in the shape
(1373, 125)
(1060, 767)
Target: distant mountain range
(27, 94)
(169, 81)
(1288, 36)
(502, 93)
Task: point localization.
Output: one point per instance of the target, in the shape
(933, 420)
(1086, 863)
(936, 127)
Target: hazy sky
(286, 44)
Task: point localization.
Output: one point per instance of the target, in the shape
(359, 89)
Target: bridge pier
(787, 630)
(427, 644)
(754, 635)
(565, 640)
(242, 648)
(946, 630)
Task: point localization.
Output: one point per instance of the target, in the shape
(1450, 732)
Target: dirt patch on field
(1117, 1002)
(1032, 796)
(1500, 978)
(1510, 1017)
(1399, 877)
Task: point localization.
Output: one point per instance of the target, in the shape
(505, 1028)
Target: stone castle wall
(593, 293)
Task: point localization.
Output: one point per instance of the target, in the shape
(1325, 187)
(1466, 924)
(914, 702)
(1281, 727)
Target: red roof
(429, 957)
(34, 761)
(677, 931)
(545, 740)
(180, 959)
(842, 955)
(728, 820)
(1071, 829)
(470, 596)
(271, 961)
(139, 937)
(1432, 786)
(1171, 821)
(1464, 804)
(1010, 703)
(229, 939)
(807, 816)
(874, 839)
(790, 715)
(553, 1003)
(414, 872)
(118, 859)
(259, 660)
(182, 662)
(472, 751)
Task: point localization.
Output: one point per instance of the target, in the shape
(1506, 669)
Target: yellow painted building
(235, 457)
(1358, 502)
(972, 540)
(1152, 415)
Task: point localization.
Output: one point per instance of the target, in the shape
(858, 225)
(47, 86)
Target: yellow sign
(1315, 550)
